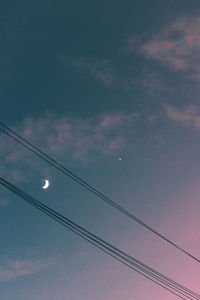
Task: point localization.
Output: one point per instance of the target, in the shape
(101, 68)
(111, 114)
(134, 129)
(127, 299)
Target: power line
(22, 194)
(28, 145)
(158, 278)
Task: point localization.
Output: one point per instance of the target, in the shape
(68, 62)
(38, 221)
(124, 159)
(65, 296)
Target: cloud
(189, 116)
(69, 137)
(13, 269)
(176, 45)
(102, 71)
(98, 69)
(151, 81)
(112, 121)
(77, 137)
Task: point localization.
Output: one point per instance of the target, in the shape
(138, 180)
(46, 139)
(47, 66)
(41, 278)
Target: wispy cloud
(77, 137)
(176, 45)
(189, 116)
(13, 269)
(98, 69)
(151, 81)
(68, 137)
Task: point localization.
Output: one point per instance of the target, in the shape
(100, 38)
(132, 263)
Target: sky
(111, 89)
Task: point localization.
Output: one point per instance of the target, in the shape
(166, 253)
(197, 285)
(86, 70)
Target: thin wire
(87, 186)
(61, 221)
(74, 230)
(123, 255)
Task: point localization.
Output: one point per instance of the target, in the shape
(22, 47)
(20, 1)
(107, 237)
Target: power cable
(113, 251)
(28, 145)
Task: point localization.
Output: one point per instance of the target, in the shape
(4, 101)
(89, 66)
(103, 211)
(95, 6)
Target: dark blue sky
(91, 82)
(36, 35)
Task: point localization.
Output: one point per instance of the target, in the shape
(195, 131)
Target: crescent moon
(46, 185)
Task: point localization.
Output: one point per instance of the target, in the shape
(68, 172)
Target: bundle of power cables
(42, 155)
(131, 262)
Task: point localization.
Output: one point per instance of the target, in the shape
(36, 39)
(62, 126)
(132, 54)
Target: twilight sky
(90, 82)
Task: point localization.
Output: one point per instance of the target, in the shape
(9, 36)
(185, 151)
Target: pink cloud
(176, 45)
(115, 145)
(69, 137)
(74, 135)
(13, 269)
(109, 121)
(189, 116)
(151, 81)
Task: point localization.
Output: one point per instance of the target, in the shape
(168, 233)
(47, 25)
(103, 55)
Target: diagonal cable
(28, 145)
(129, 260)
